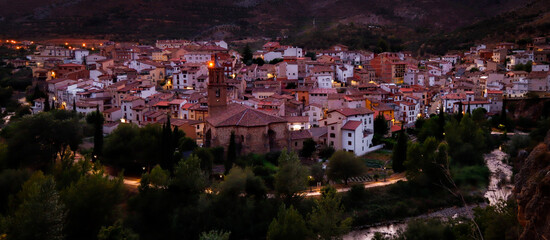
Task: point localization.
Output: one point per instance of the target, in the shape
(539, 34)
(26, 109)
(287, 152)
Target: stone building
(254, 130)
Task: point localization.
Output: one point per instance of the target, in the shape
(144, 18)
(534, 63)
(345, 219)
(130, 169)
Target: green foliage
(326, 152)
(289, 224)
(327, 218)
(37, 93)
(259, 61)
(132, 148)
(98, 133)
(539, 133)
(5, 96)
(477, 176)
(215, 235)
(116, 232)
(467, 141)
(399, 155)
(275, 61)
(241, 181)
(157, 178)
(344, 165)
(309, 148)
(11, 181)
(206, 157)
(317, 172)
(311, 55)
(495, 222)
(247, 55)
(41, 214)
(523, 67)
(35, 141)
(430, 229)
(427, 162)
(381, 127)
(18, 79)
(498, 222)
(231, 153)
(291, 177)
(355, 36)
(188, 176)
(516, 143)
(91, 203)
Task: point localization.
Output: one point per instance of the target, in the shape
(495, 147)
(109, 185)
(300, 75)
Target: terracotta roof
(297, 118)
(301, 134)
(352, 111)
(239, 115)
(351, 125)
(111, 110)
(187, 105)
(177, 101)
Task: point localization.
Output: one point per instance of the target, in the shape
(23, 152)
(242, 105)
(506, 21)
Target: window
(349, 143)
(295, 144)
(349, 134)
(332, 128)
(332, 135)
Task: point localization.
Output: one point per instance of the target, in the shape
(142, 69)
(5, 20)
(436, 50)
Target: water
(499, 189)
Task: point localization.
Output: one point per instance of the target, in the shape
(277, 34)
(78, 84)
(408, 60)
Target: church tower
(217, 88)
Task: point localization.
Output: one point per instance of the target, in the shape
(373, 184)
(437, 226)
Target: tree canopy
(344, 165)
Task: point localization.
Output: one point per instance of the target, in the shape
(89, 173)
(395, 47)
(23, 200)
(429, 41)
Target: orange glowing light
(210, 64)
(66, 43)
(84, 45)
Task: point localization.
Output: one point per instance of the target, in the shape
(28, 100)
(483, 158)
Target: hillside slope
(146, 19)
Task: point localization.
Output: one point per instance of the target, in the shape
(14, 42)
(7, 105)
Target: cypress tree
(231, 153)
(47, 105)
(400, 152)
(98, 133)
(166, 142)
(459, 116)
(441, 121)
(469, 112)
(74, 105)
(503, 112)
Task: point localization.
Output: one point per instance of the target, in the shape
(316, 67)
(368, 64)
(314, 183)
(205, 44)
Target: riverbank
(499, 189)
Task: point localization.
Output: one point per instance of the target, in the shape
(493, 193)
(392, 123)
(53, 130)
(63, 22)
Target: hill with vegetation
(147, 19)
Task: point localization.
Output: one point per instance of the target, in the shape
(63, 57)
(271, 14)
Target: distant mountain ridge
(154, 19)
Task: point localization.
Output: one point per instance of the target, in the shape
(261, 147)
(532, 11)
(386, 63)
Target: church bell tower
(217, 88)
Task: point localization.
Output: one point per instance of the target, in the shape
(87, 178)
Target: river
(500, 188)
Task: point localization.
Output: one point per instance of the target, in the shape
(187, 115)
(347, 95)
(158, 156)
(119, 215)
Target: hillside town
(281, 95)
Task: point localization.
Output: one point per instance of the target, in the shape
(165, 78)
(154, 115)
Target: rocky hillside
(532, 191)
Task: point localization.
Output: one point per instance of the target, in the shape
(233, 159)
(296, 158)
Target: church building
(254, 130)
